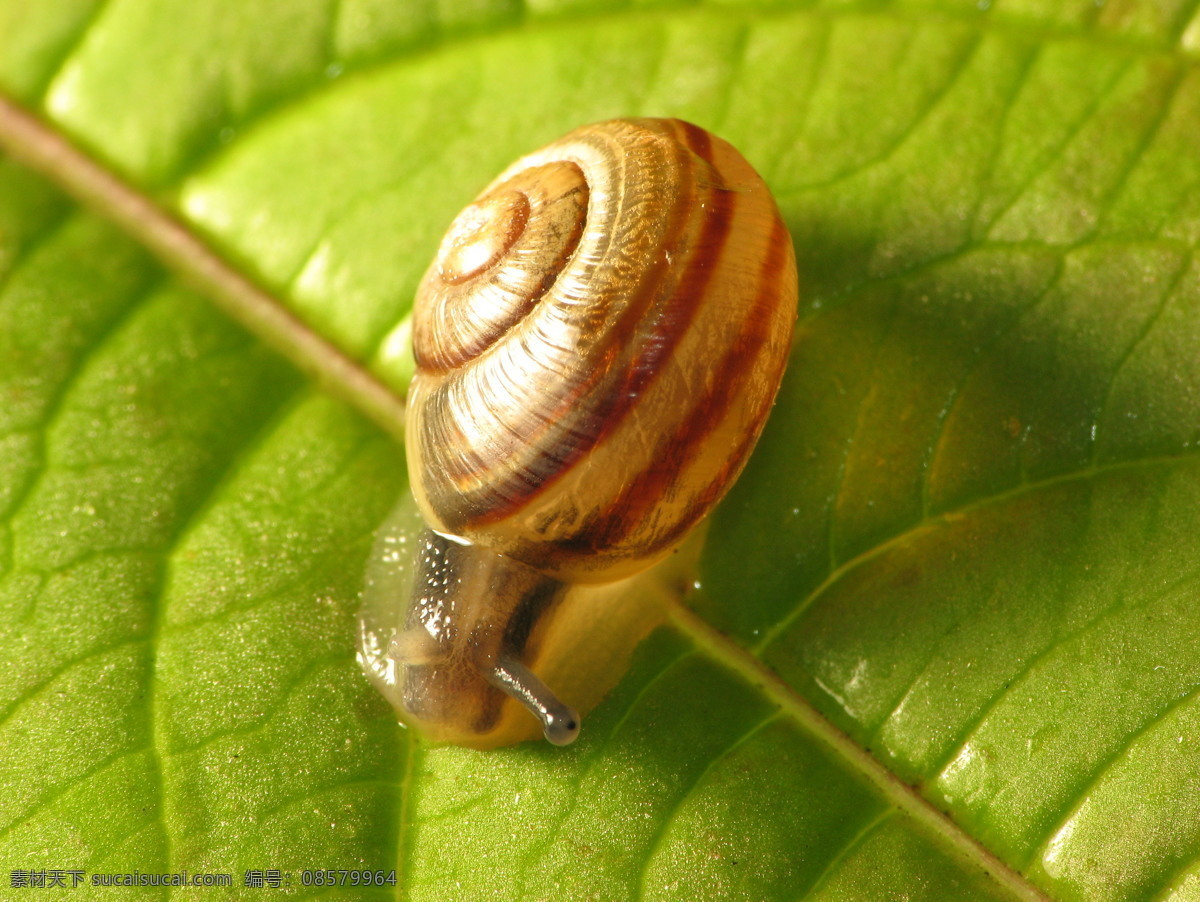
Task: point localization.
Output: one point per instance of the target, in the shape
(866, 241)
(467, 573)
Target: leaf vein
(1143, 334)
(597, 754)
(972, 727)
(1145, 142)
(63, 667)
(56, 403)
(663, 825)
(61, 790)
(988, 176)
(287, 688)
(855, 842)
(931, 106)
(847, 449)
(1105, 767)
(925, 525)
(1063, 144)
(805, 103)
(981, 356)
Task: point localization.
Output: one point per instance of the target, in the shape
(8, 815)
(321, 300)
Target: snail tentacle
(560, 722)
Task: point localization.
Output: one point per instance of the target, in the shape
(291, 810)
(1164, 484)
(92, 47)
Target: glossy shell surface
(598, 344)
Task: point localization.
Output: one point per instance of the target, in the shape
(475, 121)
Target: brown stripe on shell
(703, 501)
(672, 315)
(520, 483)
(627, 512)
(614, 402)
(484, 477)
(697, 139)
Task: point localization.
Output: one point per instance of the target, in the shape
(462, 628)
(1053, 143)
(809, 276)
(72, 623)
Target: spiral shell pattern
(598, 344)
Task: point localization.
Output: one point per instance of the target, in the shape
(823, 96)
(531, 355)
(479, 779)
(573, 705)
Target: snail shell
(598, 344)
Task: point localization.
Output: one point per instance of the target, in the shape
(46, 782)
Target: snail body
(598, 344)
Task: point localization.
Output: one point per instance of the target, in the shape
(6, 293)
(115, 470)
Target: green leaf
(944, 641)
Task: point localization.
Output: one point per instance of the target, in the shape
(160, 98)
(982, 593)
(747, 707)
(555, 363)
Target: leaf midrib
(182, 250)
(898, 795)
(747, 663)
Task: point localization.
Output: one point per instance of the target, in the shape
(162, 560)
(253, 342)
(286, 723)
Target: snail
(598, 343)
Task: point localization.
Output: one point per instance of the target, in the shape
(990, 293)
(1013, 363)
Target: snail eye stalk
(560, 722)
